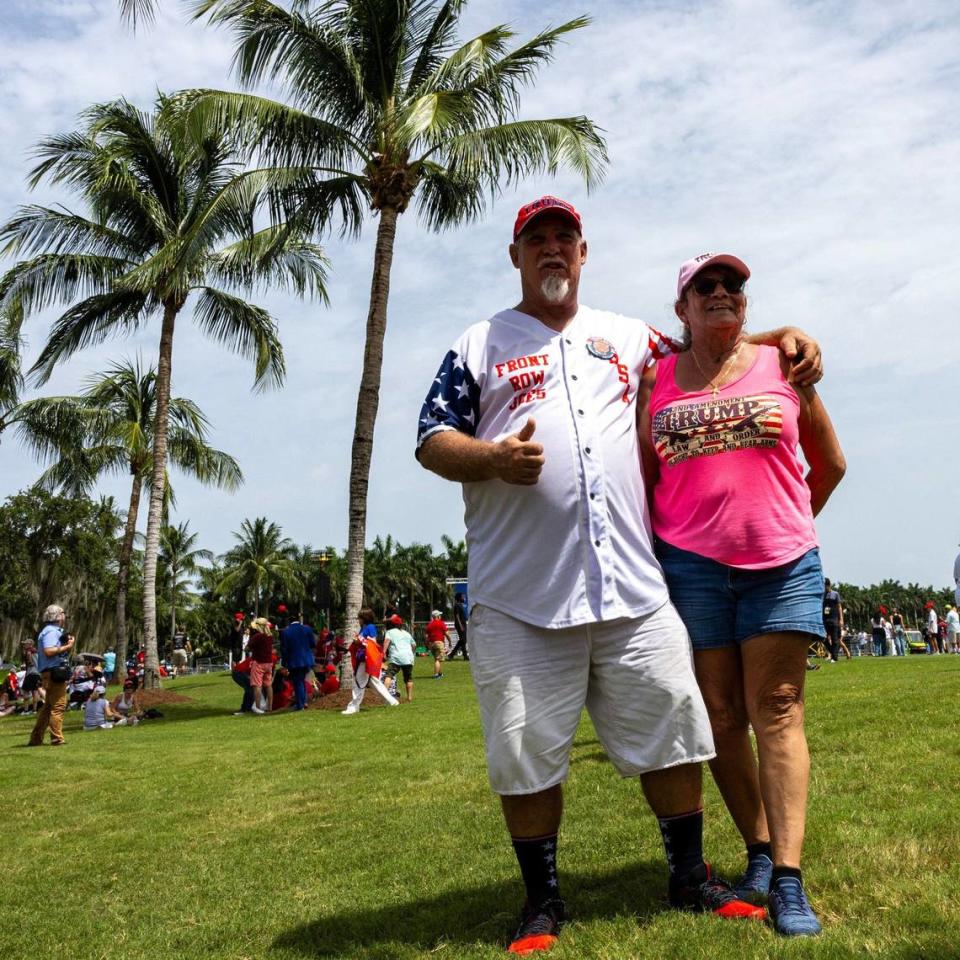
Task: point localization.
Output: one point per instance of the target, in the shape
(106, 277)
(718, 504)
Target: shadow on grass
(485, 914)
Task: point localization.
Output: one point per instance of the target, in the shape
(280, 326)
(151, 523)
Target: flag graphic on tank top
(683, 431)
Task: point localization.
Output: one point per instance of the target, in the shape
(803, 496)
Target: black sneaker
(701, 892)
(539, 928)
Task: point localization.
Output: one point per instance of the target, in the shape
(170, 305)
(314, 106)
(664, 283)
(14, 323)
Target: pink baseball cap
(692, 267)
(545, 205)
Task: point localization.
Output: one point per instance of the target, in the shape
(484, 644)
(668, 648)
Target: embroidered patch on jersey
(687, 430)
(601, 348)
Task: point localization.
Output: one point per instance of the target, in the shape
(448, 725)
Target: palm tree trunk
(123, 573)
(368, 401)
(161, 424)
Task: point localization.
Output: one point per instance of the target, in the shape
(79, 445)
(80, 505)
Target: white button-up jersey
(575, 548)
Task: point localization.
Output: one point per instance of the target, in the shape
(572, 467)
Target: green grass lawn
(314, 835)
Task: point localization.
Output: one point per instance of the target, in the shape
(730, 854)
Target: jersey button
(586, 449)
(580, 412)
(573, 376)
(596, 543)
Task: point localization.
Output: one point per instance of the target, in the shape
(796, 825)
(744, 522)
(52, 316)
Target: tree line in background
(187, 208)
(67, 549)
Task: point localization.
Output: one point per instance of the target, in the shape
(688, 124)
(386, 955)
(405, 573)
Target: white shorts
(635, 677)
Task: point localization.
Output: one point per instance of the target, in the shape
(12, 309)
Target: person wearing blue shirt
(297, 645)
(53, 645)
(109, 664)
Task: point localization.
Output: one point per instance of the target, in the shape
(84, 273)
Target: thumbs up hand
(518, 459)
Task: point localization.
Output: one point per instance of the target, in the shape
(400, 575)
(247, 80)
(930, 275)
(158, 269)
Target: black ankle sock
(755, 850)
(538, 866)
(780, 872)
(683, 842)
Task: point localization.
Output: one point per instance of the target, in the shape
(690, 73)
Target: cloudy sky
(817, 139)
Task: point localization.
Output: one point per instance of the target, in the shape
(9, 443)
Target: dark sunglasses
(706, 285)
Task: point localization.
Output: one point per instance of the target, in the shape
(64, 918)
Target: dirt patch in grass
(156, 698)
(340, 699)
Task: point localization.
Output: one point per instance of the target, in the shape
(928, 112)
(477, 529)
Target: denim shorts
(722, 606)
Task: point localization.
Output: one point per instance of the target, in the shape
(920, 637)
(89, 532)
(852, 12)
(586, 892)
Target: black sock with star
(537, 857)
(683, 842)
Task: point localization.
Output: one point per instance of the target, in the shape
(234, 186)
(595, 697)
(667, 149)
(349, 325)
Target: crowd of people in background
(288, 665)
(889, 636)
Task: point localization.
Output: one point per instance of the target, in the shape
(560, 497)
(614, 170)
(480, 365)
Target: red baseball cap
(546, 204)
(395, 621)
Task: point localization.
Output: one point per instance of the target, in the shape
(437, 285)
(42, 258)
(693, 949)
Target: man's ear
(583, 251)
(515, 255)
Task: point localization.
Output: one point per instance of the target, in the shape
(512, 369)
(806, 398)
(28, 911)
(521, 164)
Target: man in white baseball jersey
(956, 579)
(534, 412)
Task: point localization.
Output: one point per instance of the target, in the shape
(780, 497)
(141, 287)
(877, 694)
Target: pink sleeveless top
(731, 486)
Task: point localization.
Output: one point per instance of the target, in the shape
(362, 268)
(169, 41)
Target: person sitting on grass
(81, 685)
(97, 714)
(9, 693)
(127, 704)
(240, 674)
(331, 682)
(283, 692)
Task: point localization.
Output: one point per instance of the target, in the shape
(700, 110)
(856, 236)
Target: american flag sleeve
(453, 401)
(661, 345)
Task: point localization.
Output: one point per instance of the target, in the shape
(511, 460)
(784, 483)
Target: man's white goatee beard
(555, 289)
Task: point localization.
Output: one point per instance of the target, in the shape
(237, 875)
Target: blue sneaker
(790, 910)
(755, 883)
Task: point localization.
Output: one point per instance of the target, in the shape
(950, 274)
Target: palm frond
(285, 135)
(35, 228)
(138, 11)
(499, 84)
(91, 322)
(274, 44)
(274, 256)
(503, 154)
(245, 329)
(50, 279)
(464, 65)
(430, 36)
(190, 454)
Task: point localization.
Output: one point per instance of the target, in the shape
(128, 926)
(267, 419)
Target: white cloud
(815, 139)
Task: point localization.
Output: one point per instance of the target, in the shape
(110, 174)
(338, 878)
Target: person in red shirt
(260, 649)
(331, 682)
(282, 690)
(437, 639)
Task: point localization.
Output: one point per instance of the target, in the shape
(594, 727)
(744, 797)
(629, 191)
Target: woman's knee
(777, 708)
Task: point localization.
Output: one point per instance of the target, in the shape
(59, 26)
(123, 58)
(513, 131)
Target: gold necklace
(710, 382)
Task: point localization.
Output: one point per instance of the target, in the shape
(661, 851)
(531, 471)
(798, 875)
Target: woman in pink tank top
(732, 514)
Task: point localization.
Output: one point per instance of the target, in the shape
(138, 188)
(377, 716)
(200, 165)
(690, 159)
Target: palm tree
(261, 560)
(455, 557)
(181, 560)
(109, 429)
(11, 378)
(171, 216)
(387, 108)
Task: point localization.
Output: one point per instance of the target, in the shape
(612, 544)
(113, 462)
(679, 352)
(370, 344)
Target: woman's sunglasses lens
(706, 285)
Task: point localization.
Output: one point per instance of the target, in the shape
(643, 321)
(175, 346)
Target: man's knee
(728, 721)
(533, 814)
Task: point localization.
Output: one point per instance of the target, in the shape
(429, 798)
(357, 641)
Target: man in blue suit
(297, 645)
